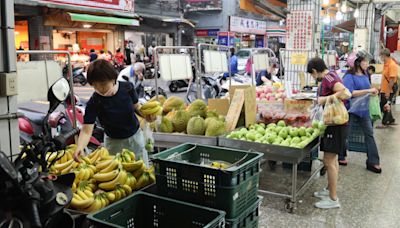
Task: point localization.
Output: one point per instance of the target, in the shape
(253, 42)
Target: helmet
(351, 59)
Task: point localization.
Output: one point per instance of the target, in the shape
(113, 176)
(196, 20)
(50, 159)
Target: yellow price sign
(299, 59)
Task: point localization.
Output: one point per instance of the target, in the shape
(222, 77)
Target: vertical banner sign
(225, 38)
(259, 41)
(299, 30)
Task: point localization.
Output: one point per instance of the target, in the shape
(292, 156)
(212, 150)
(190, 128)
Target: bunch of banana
(120, 191)
(146, 178)
(85, 171)
(98, 155)
(109, 185)
(139, 171)
(64, 168)
(133, 165)
(131, 181)
(151, 108)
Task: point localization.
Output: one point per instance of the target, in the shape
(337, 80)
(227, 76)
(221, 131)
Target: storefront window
(21, 35)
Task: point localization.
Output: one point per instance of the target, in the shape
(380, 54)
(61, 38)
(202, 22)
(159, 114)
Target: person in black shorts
(334, 138)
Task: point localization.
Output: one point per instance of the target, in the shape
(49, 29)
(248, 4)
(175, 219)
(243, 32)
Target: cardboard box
(297, 106)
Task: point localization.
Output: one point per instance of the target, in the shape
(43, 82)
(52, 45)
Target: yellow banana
(63, 165)
(127, 157)
(67, 169)
(123, 177)
(152, 178)
(63, 159)
(81, 194)
(95, 206)
(127, 189)
(110, 185)
(69, 156)
(104, 177)
(111, 196)
(132, 155)
(104, 152)
(150, 105)
(76, 196)
(86, 160)
(73, 188)
(151, 111)
(123, 193)
(107, 158)
(113, 165)
(143, 180)
(88, 193)
(92, 187)
(81, 174)
(117, 195)
(103, 164)
(137, 173)
(132, 166)
(132, 179)
(81, 204)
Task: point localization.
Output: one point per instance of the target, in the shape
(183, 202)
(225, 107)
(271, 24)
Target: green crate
(180, 176)
(248, 219)
(142, 210)
(356, 138)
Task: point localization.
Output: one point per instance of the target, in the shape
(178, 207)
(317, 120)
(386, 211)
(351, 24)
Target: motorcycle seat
(35, 117)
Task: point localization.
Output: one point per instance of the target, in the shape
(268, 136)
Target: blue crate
(356, 138)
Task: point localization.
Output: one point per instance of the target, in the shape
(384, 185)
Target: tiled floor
(367, 199)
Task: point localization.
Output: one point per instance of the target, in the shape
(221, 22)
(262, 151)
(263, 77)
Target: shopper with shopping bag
(359, 85)
(389, 86)
(333, 141)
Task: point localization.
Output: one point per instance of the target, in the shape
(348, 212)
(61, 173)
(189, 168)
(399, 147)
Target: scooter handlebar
(60, 141)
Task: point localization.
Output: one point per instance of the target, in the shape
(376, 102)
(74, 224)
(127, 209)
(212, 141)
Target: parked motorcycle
(175, 85)
(77, 74)
(31, 124)
(32, 197)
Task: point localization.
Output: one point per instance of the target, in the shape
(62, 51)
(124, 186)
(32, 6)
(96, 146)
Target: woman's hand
(78, 152)
(150, 118)
(374, 91)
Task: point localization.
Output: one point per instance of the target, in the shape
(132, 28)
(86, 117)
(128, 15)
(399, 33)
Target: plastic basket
(180, 175)
(248, 219)
(356, 138)
(142, 210)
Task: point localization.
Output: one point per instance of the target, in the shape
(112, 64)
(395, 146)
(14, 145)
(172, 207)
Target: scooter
(31, 124)
(77, 74)
(175, 85)
(32, 197)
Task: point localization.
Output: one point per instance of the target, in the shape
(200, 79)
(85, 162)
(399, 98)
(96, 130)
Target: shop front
(208, 36)
(250, 33)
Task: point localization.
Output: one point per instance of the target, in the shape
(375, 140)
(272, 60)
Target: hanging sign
(245, 25)
(299, 59)
(299, 30)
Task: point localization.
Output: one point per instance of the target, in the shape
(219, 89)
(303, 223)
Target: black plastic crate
(249, 218)
(180, 175)
(143, 210)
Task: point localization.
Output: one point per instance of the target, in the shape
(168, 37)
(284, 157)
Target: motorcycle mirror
(57, 93)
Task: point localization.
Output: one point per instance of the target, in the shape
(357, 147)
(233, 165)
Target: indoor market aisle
(367, 199)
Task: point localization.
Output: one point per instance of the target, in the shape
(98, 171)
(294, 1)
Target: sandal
(343, 162)
(373, 168)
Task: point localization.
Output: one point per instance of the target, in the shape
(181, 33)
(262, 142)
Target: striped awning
(276, 31)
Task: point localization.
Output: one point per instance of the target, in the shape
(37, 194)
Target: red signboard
(123, 5)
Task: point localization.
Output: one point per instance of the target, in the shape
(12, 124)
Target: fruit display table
(168, 140)
(285, 154)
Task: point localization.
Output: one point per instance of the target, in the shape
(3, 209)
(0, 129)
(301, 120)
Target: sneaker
(322, 194)
(328, 203)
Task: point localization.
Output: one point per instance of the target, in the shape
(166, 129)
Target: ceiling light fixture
(357, 12)
(339, 16)
(87, 26)
(326, 19)
(343, 8)
(325, 2)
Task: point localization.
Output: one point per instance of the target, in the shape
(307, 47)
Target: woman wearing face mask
(359, 84)
(115, 104)
(334, 138)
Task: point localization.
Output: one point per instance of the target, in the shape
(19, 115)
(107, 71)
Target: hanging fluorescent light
(357, 12)
(343, 8)
(325, 2)
(87, 25)
(339, 16)
(327, 19)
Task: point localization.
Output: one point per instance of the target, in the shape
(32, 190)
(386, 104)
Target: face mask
(112, 91)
